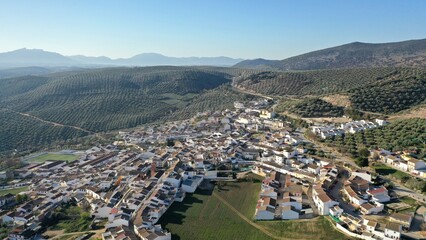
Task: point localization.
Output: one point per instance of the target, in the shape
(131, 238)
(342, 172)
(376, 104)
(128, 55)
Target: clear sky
(235, 28)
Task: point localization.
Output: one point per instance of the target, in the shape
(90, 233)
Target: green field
(13, 191)
(54, 157)
(203, 215)
(318, 228)
(412, 202)
(383, 169)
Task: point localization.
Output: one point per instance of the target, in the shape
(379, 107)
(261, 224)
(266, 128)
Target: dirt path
(75, 233)
(50, 122)
(241, 90)
(55, 123)
(262, 229)
(204, 207)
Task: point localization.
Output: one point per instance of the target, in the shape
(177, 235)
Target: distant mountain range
(40, 58)
(353, 55)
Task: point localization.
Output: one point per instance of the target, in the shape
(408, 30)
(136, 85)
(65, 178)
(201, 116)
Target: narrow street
(336, 193)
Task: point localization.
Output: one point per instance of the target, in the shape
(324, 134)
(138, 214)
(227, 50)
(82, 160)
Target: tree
(20, 198)
(361, 161)
(375, 156)
(363, 152)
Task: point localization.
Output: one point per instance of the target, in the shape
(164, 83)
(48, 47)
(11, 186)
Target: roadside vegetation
(401, 177)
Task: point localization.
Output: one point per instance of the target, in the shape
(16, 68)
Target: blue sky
(235, 28)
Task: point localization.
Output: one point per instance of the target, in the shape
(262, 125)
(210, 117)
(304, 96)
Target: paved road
(404, 191)
(137, 220)
(336, 193)
(311, 200)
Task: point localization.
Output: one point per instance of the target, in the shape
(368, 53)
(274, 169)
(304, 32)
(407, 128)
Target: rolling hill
(377, 90)
(107, 99)
(353, 55)
(34, 57)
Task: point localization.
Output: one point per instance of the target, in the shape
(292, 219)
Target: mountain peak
(410, 53)
(34, 57)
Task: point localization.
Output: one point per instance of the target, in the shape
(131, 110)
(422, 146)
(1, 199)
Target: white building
(393, 231)
(288, 213)
(322, 200)
(191, 184)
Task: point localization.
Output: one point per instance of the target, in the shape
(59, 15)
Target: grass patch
(13, 191)
(319, 228)
(410, 201)
(241, 195)
(386, 170)
(70, 219)
(54, 157)
(203, 216)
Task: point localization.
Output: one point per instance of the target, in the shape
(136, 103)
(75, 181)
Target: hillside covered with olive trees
(39, 110)
(375, 90)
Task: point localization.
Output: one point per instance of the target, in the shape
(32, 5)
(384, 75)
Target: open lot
(54, 157)
(227, 213)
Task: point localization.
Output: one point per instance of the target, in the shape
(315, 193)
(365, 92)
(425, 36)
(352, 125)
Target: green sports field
(54, 157)
(13, 191)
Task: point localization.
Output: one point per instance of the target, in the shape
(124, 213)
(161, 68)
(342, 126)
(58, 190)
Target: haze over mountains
(410, 53)
(353, 55)
(37, 57)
